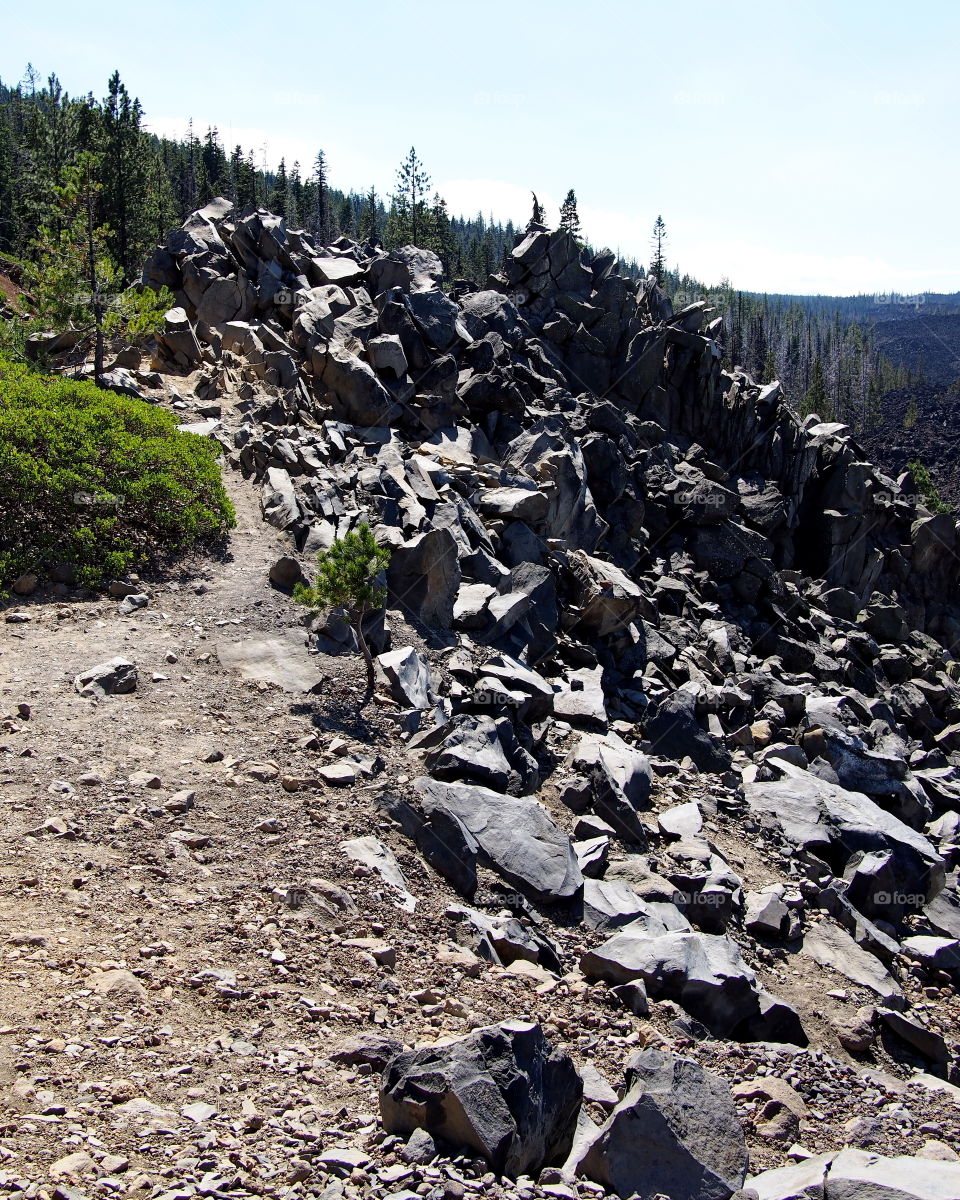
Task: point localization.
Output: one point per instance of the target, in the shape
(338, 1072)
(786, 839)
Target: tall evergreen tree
(277, 200)
(215, 166)
(321, 225)
(408, 216)
(569, 218)
(49, 148)
(8, 224)
(658, 263)
(369, 225)
(123, 177)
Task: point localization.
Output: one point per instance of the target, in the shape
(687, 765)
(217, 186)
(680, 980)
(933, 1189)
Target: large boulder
(703, 972)
(833, 947)
(837, 824)
(114, 678)
(359, 396)
(675, 1133)
(502, 1092)
(409, 268)
(606, 599)
(515, 835)
(674, 732)
(177, 342)
(278, 500)
(408, 677)
(473, 752)
(547, 451)
(424, 577)
(619, 780)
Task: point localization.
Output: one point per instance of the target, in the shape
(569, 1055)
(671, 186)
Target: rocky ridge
(681, 706)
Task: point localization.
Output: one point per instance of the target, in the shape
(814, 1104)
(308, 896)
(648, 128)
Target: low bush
(97, 480)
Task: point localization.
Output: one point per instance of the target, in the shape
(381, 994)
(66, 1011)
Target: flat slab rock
(833, 947)
(374, 855)
(408, 677)
(282, 660)
(858, 1175)
(515, 834)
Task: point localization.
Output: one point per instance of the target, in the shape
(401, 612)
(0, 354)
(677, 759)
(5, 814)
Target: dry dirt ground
(177, 924)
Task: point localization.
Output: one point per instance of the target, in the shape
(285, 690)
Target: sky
(803, 148)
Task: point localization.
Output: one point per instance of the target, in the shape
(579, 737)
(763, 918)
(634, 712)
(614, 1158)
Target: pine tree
(348, 577)
(369, 225)
(658, 262)
(277, 200)
(123, 177)
(8, 224)
(321, 225)
(244, 179)
(49, 147)
(569, 218)
(346, 217)
(294, 197)
(74, 281)
(438, 237)
(408, 216)
(816, 399)
(215, 166)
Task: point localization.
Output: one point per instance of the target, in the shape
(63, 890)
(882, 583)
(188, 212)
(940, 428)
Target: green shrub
(98, 480)
(927, 488)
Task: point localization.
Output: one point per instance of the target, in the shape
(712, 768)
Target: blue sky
(803, 148)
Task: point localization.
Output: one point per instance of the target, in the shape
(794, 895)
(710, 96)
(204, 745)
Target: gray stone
(674, 1133)
(828, 820)
(502, 1092)
(359, 396)
(386, 355)
(515, 834)
(674, 732)
(424, 577)
(582, 703)
(377, 857)
(858, 1175)
(833, 947)
(278, 500)
(703, 972)
(286, 572)
(766, 915)
(472, 752)
(114, 678)
(408, 677)
(619, 779)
